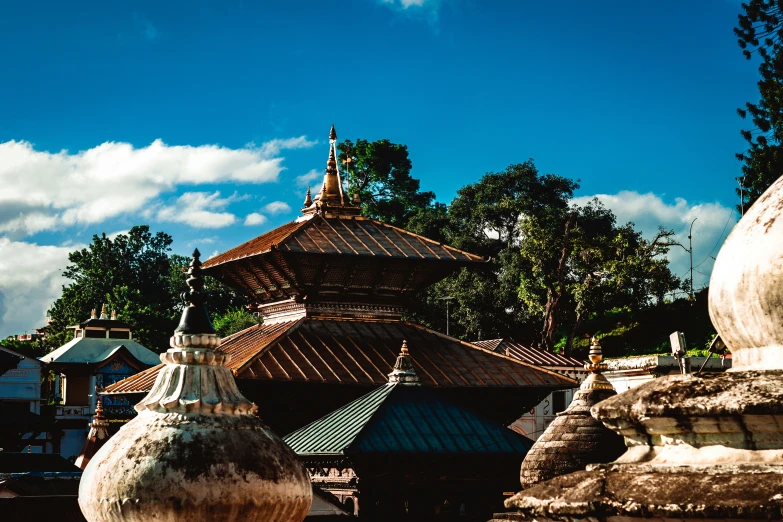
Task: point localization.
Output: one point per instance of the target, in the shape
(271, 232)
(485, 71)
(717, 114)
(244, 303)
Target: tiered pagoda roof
(361, 352)
(331, 253)
(332, 287)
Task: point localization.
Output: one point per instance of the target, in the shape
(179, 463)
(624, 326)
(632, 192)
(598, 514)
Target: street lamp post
(448, 300)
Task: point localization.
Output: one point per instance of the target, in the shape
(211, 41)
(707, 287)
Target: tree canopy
(135, 275)
(379, 172)
(759, 33)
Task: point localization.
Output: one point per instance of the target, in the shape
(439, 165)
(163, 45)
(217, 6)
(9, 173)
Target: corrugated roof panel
(358, 352)
(404, 419)
(335, 432)
(354, 237)
(529, 355)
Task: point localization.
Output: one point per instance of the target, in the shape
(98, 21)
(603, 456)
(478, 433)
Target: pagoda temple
(332, 287)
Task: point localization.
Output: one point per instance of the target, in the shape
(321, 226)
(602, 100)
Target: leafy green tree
(485, 218)
(760, 32)
(379, 172)
(130, 273)
(234, 320)
(33, 349)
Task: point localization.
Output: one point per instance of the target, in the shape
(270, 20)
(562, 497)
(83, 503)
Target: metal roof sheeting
(363, 352)
(399, 418)
(529, 355)
(354, 235)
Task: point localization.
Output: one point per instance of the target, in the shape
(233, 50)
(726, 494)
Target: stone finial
(103, 312)
(404, 372)
(197, 449)
(596, 380)
(195, 319)
(308, 200)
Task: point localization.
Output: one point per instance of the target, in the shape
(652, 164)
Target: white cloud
(201, 241)
(408, 3)
(199, 209)
(48, 191)
(307, 180)
(277, 207)
(273, 147)
(255, 219)
(30, 281)
(647, 211)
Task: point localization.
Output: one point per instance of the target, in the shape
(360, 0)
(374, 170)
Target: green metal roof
(399, 418)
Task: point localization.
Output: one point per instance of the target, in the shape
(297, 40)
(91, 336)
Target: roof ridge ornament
(404, 371)
(195, 409)
(103, 312)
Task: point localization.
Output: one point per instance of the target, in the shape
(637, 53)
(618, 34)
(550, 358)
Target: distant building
(101, 353)
(534, 422)
(20, 404)
(38, 334)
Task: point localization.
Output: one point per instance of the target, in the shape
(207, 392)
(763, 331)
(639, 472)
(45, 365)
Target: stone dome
(746, 287)
(575, 439)
(197, 450)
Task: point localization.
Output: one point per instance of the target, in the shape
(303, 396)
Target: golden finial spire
(332, 189)
(308, 200)
(596, 380)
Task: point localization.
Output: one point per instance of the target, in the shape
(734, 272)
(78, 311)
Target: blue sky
(206, 119)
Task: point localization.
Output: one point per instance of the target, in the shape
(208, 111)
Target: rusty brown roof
(363, 352)
(258, 245)
(529, 355)
(345, 235)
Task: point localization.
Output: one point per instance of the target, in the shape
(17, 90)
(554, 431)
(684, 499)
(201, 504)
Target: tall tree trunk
(556, 292)
(569, 347)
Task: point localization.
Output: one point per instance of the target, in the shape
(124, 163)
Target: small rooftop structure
(98, 435)
(403, 430)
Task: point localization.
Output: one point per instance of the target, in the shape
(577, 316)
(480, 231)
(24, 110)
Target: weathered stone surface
(644, 492)
(746, 286)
